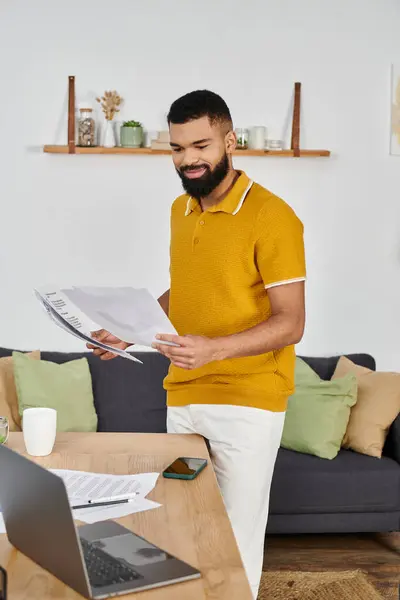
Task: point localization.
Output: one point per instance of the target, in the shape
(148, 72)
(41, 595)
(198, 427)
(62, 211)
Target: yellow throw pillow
(8, 393)
(377, 406)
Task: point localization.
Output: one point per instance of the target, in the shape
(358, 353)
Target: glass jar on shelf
(86, 128)
(242, 136)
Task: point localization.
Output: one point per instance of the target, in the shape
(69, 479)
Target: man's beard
(204, 185)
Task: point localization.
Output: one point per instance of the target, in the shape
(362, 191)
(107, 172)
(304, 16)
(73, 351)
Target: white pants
(243, 446)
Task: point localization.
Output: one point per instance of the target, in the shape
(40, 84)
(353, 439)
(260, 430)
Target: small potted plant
(131, 134)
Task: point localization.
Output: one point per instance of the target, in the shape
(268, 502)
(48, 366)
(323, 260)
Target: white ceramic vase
(109, 135)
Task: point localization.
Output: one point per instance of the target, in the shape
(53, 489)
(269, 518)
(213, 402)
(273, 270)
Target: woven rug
(334, 585)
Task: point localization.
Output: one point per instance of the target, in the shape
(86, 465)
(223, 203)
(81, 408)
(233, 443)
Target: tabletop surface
(192, 523)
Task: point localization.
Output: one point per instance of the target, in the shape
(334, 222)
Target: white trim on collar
(188, 211)
(242, 199)
(239, 206)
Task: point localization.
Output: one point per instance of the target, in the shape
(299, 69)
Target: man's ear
(230, 142)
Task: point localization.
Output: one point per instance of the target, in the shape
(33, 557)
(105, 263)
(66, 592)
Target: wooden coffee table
(192, 522)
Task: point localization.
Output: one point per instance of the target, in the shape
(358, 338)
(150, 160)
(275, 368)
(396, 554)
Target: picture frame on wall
(395, 111)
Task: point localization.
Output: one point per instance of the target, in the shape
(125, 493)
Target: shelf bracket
(295, 145)
(71, 114)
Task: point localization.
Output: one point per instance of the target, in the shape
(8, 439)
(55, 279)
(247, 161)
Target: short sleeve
(279, 245)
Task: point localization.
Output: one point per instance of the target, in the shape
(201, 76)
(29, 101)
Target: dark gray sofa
(352, 493)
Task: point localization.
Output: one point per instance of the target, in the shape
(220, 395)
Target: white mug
(39, 426)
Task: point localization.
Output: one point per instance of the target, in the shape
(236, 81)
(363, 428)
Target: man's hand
(194, 351)
(106, 338)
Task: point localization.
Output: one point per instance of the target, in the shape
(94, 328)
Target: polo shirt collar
(232, 202)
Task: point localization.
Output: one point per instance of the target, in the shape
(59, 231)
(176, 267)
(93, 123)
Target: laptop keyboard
(103, 569)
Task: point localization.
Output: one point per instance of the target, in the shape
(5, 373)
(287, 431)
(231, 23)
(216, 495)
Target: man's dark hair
(198, 104)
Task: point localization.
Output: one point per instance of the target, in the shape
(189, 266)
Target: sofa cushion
(8, 392)
(67, 388)
(378, 405)
(325, 366)
(351, 482)
(127, 396)
(318, 412)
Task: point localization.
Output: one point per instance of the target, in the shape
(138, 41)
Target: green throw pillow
(66, 387)
(318, 412)
(304, 374)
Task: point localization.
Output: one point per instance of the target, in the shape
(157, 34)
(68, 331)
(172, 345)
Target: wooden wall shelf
(149, 151)
(72, 148)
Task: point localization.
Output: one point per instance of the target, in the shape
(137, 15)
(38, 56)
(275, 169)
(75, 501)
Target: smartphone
(185, 468)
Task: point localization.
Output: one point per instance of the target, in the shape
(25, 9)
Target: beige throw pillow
(377, 406)
(8, 393)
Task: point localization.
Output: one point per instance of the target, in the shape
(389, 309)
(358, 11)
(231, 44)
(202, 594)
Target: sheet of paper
(59, 321)
(102, 513)
(93, 515)
(83, 486)
(71, 320)
(132, 314)
(117, 511)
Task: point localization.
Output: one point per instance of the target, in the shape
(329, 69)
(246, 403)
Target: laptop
(99, 560)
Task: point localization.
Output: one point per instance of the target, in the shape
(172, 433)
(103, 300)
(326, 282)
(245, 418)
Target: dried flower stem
(109, 104)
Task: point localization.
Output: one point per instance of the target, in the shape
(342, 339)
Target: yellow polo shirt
(223, 261)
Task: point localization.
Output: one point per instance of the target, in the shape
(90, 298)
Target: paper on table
(116, 511)
(83, 486)
(131, 314)
(102, 513)
(66, 316)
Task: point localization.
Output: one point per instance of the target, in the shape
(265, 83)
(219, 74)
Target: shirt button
(201, 222)
(196, 240)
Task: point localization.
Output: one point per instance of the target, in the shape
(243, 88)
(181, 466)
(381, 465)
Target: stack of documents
(85, 488)
(131, 314)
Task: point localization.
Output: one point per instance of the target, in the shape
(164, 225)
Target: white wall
(105, 219)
